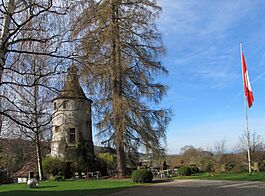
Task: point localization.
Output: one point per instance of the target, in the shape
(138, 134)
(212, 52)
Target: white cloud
(203, 17)
(217, 70)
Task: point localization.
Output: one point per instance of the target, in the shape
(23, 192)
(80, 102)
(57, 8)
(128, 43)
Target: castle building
(72, 126)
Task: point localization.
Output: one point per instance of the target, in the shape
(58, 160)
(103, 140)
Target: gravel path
(197, 188)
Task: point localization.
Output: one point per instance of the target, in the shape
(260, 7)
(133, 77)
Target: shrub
(59, 178)
(142, 176)
(194, 170)
(109, 159)
(229, 167)
(53, 166)
(262, 166)
(104, 162)
(209, 168)
(239, 168)
(99, 165)
(184, 171)
(81, 164)
(4, 178)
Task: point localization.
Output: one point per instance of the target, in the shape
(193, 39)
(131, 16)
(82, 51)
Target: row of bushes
(238, 168)
(54, 169)
(53, 166)
(243, 167)
(145, 176)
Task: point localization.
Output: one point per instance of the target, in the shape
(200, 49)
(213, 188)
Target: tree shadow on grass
(41, 187)
(83, 192)
(156, 181)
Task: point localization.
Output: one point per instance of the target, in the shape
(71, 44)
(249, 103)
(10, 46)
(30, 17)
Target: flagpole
(247, 133)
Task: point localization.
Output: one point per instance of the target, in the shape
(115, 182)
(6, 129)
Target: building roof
(72, 88)
(104, 149)
(28, 167)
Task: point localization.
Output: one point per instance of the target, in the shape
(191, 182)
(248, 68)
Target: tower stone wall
(72, 126)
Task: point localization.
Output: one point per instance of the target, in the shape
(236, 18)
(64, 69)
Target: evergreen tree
(120, 46)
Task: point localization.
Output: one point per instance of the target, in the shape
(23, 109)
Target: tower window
(56, 128)
(54, 106)
(72, 135)
(65, 104)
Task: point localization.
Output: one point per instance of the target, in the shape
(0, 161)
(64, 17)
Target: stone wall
(71, 114)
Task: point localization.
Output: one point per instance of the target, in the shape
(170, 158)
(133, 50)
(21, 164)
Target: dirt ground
(197, 188)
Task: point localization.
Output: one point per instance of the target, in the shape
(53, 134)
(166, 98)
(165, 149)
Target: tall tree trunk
(2, 62)
(37, 130)
(117, 85)
(119, 125)
(4, 35)
(121, 166)
(39, 159)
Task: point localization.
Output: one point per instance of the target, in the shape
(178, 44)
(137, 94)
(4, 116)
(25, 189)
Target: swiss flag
(247, 86)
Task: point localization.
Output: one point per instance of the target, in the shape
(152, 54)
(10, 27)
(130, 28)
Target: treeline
(218, 159)
(14, 154)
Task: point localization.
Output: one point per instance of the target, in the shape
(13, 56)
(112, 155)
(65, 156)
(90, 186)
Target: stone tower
(72, 127)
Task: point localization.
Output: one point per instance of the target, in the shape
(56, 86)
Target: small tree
(109, 159)
(253, 142)
(219, 150)
(256, 143)
(53, 166)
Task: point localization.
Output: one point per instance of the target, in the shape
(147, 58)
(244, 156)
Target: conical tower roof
(72, 88)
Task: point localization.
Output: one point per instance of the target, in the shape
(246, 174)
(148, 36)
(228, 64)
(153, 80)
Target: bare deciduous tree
(27, 23)
(219, 150)
(33, 48)
(256, 143)
(219, 147)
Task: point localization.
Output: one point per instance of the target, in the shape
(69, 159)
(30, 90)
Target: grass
(226, 176)
(104, 187)
(65, 188)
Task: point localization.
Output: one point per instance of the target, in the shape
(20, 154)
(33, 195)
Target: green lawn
(65, 188)
(226, 176)
(103, 187)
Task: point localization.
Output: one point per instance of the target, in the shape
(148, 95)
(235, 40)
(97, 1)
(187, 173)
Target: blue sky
(205, 85)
